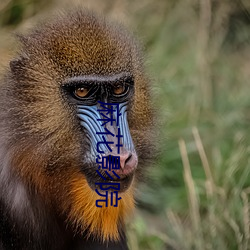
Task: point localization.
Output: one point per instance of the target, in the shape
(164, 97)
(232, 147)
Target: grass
(198, 190)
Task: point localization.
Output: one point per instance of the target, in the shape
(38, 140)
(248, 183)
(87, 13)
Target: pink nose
(128, 163)
(125, 159)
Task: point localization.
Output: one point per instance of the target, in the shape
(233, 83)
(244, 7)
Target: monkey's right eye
(81, 92)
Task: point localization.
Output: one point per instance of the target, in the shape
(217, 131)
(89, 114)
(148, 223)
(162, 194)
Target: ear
(18, 63)
(15, 64)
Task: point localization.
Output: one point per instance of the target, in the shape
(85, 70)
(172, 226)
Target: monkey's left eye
(119, 89)
(81, 92)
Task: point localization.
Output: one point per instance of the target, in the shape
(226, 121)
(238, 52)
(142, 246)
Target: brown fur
(40, 135)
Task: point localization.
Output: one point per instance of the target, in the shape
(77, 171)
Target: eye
(119, 89)
(81, 92)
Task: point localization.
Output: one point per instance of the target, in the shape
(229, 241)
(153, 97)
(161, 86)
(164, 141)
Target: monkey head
(53, 125)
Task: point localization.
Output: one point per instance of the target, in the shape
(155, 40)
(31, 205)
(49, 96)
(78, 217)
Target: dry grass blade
(204, 159)
(246, 220)
(192, 197)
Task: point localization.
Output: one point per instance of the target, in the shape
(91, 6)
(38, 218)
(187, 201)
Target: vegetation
(197, 192)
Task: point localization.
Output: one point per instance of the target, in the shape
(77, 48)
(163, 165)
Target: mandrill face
(101, 102)
(57, 99)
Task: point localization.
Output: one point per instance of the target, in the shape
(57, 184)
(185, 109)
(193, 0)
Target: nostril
(129, 157)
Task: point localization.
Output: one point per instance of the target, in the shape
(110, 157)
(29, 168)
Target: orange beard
(100, 222)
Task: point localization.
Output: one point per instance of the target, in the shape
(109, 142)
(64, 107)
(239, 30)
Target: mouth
(121, 185)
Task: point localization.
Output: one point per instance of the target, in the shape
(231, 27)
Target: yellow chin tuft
(100, 222)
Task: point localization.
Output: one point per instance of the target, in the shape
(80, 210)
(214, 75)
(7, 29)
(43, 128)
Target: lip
(124, 182)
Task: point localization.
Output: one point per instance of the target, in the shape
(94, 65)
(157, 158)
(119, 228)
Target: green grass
(199, 189)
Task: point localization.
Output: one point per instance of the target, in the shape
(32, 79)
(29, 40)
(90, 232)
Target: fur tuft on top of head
(79, 42)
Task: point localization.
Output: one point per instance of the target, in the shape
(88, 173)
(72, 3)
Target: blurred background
(196, 194)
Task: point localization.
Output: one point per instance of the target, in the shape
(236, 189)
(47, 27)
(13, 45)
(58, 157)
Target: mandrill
(74, 103)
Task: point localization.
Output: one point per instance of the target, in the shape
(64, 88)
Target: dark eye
(81, 92)
(119, 89)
